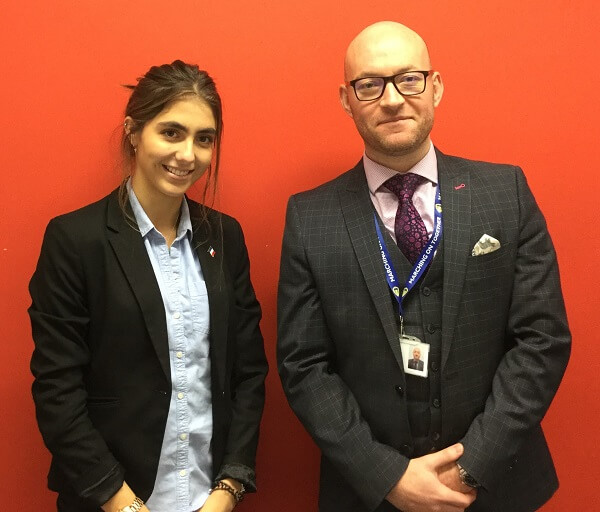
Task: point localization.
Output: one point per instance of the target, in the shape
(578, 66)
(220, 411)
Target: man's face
(393, 125)
(416, 354)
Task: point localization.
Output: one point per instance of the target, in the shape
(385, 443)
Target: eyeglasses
(371, 88)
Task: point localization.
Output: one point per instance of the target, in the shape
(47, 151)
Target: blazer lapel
(209, 247)
(133, 258)
(357, 209)
(456, 210)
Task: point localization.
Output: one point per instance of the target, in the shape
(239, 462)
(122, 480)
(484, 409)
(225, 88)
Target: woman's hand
(122, 498)
(219, 501)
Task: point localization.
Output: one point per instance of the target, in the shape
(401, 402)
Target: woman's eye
(205, 139)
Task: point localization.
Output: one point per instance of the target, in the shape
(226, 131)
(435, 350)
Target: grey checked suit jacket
(505, 339)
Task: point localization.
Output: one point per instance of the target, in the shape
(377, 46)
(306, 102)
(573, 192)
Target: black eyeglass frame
(391, 78)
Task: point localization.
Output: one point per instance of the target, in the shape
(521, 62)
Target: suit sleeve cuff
(239, 472)
(105, 489)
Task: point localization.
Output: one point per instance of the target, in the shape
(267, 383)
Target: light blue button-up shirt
(185, 467)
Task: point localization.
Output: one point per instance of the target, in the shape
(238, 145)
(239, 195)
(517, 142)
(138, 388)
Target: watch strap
(466, 478)
(136, 506)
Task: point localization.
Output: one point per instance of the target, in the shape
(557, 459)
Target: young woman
(149, 363)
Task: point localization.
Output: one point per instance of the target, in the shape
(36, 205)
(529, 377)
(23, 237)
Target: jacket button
(435, 436)
(437, 403)
(406, 449)
(434, 366)
(431, 328)
(399, 390)
(426, 291)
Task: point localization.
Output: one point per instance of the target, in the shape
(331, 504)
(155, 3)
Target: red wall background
(521, 87)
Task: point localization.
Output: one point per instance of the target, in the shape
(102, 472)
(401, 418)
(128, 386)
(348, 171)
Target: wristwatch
(465, 478)
(136, 506)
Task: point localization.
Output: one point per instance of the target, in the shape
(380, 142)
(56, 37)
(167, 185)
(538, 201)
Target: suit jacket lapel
(456, 209)
(357, 209)
(133, 258)
(209, 247)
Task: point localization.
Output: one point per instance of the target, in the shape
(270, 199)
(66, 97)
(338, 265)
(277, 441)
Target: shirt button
(180, 395)
(399, 390)
(183, 472)
(179, 354)
(176, 315)
(183, 437)
(437, 403)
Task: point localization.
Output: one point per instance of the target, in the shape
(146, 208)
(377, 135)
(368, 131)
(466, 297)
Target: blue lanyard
(423, 261)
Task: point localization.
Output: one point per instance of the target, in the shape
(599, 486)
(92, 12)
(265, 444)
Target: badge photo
(415, 355)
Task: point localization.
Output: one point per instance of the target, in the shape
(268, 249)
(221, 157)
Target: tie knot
(404, 185)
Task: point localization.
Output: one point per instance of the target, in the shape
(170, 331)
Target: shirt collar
(145, 224)
(378, 174)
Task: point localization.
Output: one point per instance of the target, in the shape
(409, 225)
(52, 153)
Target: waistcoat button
(406, 449)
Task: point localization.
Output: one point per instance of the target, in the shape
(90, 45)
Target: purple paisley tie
(411, 234)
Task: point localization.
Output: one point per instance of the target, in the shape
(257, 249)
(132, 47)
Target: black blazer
(505, 339)
(101, 363)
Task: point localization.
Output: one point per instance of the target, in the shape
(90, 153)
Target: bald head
(394, 126)
(385, 41)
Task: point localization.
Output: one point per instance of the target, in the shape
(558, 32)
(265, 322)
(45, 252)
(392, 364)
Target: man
(488, 307)
(415, 363)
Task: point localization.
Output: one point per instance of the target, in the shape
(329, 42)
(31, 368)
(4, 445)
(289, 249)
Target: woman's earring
(132, 144)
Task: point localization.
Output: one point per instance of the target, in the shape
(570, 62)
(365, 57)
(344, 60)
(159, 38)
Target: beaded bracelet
(222, 486)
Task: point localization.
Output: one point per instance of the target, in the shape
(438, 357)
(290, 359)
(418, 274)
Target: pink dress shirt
(386, 202)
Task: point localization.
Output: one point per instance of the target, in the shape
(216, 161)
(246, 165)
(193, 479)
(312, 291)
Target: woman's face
(173, 150)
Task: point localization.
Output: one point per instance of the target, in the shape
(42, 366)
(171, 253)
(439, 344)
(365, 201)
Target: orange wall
(521, 87)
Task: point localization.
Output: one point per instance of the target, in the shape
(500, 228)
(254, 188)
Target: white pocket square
(485, 245)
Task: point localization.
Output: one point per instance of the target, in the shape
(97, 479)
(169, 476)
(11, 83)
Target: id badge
(415, 355)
